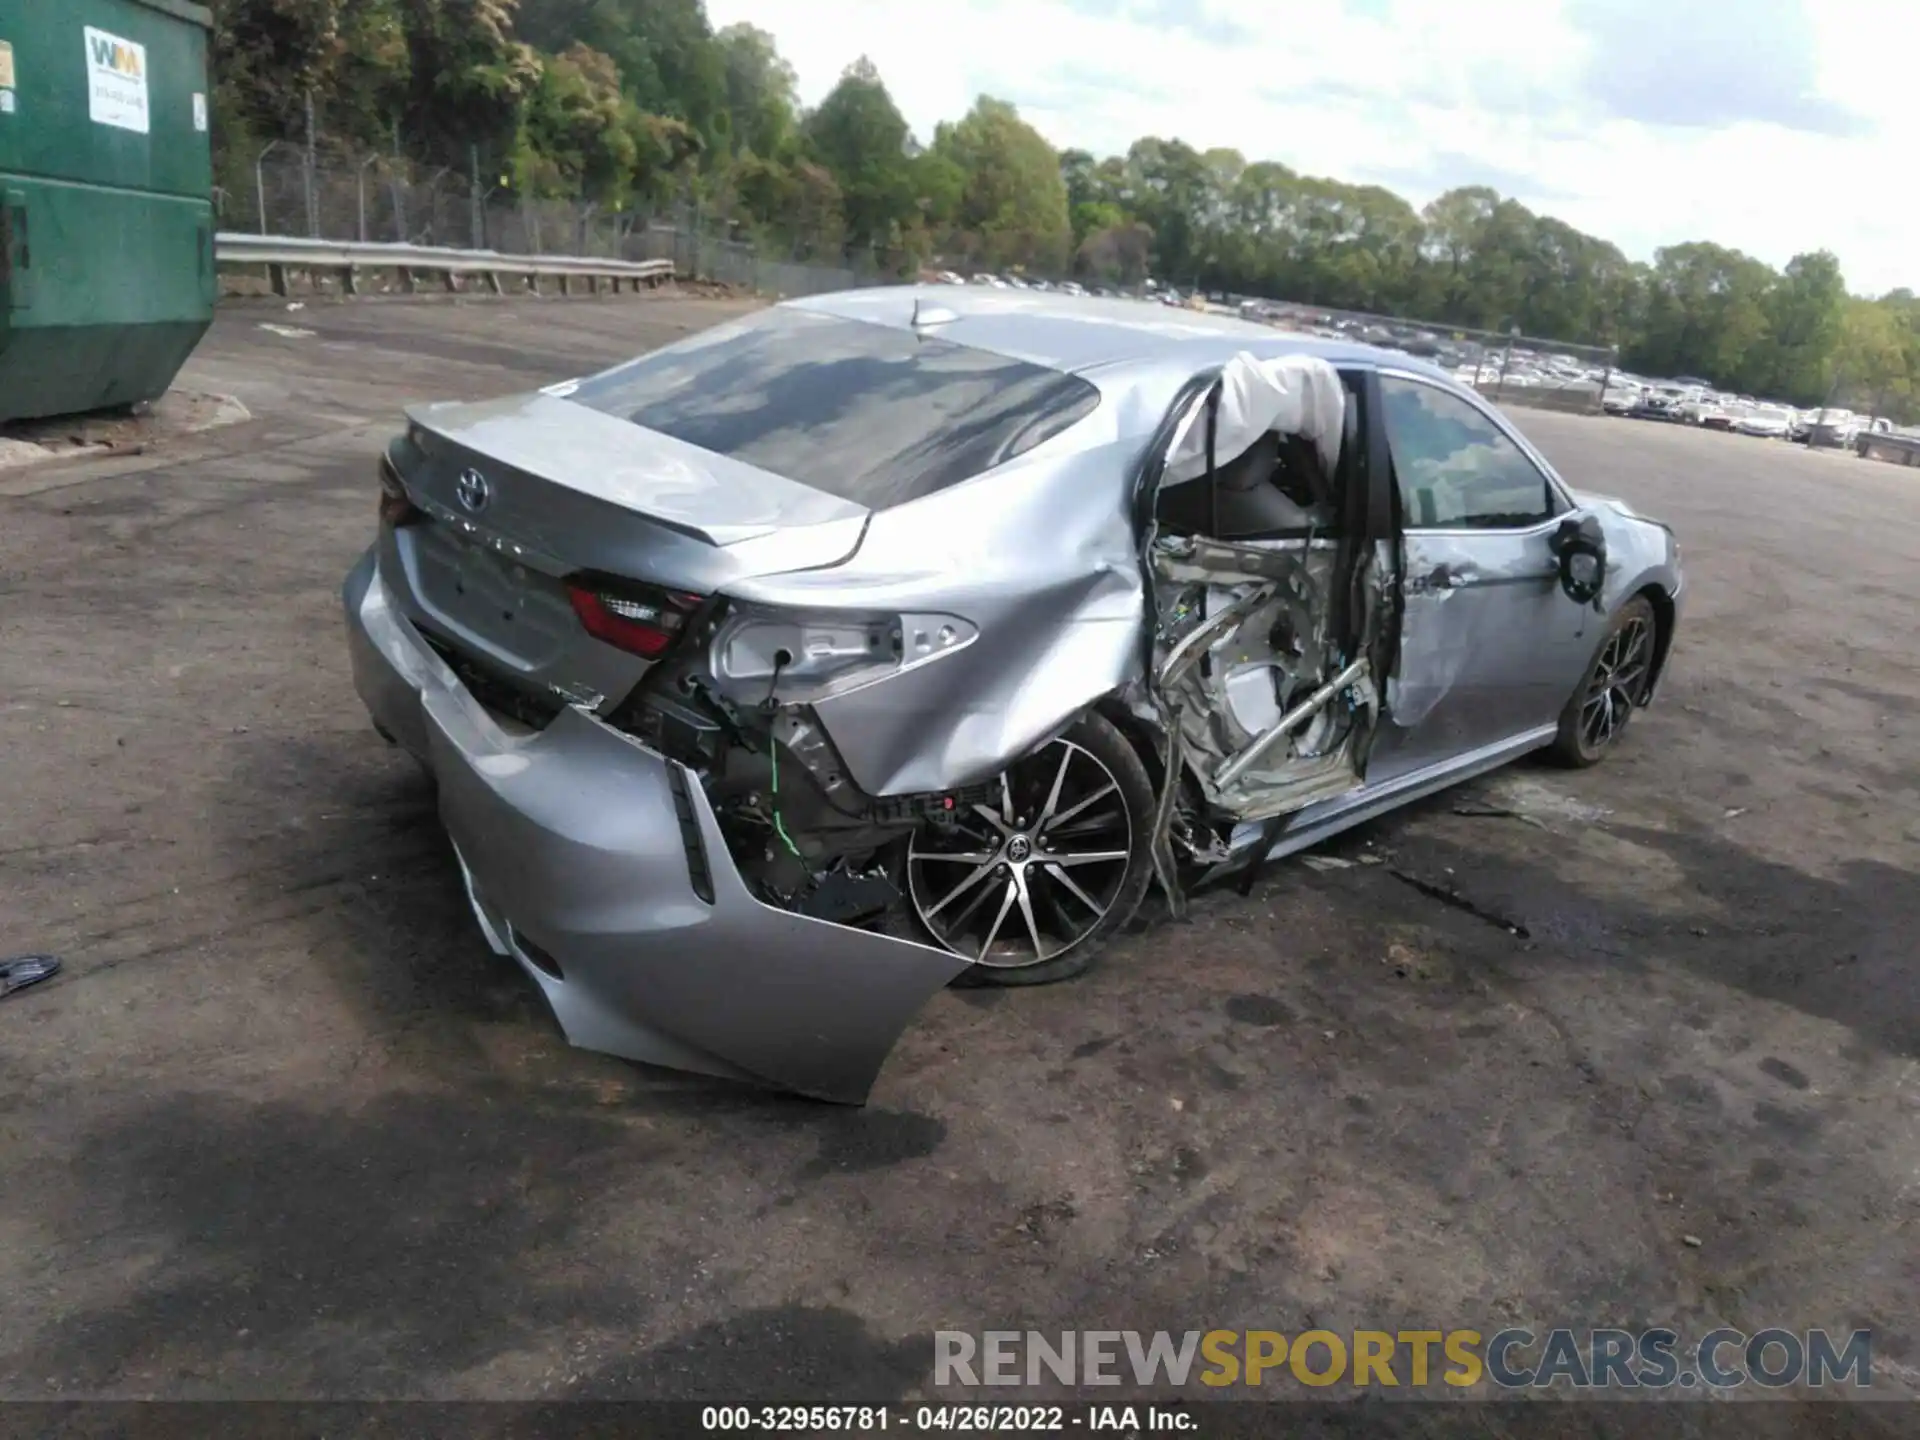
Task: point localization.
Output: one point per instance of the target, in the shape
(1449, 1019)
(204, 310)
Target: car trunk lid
(530, 498)
(588, 491)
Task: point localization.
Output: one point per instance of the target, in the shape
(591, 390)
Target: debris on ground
(24, 970)
(126, 430)
(1522, 797)
(1447, 895)
(1692, 1242)
(1736, 812)
(1481, 809)
(1325, 862)
(21, 452)
(285, 332)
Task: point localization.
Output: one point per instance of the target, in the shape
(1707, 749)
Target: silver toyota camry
(780, 677)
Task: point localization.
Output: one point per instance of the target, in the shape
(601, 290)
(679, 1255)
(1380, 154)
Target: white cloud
(1535, 97)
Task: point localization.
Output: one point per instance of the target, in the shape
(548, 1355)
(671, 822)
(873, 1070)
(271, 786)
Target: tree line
(642, 103)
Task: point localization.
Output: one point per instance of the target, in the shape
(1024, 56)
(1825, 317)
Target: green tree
(1117, 255)
(796, 204)
(762, 91)
(1455, 225)
(941, 184)
(1013, 201)
(1806, 310)
(626, 101)
(1169, 189)
(1706, 315)
(470, 77)
(582, 136)
(1874, 357)
(670, 63)
(861, 138)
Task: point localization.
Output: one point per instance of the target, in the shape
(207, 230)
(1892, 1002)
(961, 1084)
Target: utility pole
(479, 233)
(313, 206)
(260, 179)
(1506, 359)
(393, 185)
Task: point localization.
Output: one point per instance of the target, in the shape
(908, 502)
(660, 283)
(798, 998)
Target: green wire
(773, 755)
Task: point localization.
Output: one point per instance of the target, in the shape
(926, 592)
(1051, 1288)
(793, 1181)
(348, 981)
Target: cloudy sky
(1762, 124)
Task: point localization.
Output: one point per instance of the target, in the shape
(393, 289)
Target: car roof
(1076, 333)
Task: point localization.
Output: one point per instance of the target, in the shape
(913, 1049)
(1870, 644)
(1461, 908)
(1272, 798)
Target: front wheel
(1031, 888)
(1615, 683)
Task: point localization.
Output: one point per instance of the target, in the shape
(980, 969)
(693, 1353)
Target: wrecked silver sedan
(773, 680)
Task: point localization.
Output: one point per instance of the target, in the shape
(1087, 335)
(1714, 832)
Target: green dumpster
(107, 278)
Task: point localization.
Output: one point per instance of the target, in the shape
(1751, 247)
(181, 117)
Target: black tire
(1613, 685)
(1092, 781)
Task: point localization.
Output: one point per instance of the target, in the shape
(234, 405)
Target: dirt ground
(285, 1127)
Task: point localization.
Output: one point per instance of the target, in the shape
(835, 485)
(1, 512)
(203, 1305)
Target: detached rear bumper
(598, 865)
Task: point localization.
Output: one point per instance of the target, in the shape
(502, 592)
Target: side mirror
(1580, 545)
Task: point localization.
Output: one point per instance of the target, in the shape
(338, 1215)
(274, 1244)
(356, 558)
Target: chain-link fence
(706, 252)
(386, 199)
(328, 194)
(383, 199)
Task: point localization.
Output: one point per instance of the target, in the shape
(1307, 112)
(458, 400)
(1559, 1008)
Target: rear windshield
(869, 413)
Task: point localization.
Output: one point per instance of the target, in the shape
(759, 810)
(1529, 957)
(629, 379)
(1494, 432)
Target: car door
(1486, 630)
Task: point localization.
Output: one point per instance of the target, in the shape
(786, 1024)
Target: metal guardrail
(282, 253)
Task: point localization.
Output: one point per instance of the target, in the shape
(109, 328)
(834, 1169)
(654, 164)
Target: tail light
(639, 619)
(396, 508)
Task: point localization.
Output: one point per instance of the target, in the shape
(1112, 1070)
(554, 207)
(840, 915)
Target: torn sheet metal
(1294, 394)
(586, 856)
(1245, 643)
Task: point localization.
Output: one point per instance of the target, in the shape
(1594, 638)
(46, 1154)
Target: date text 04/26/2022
(962, 1419)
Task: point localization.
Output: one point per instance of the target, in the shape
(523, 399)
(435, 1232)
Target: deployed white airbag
(1294, 394)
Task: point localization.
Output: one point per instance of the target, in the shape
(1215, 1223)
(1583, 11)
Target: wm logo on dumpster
(116, 81)
(118, 56)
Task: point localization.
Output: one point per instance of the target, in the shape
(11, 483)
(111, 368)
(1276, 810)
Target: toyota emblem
(473, 490)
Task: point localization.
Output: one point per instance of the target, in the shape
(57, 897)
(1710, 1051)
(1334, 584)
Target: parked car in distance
(1659, 403)
(1709, 410)
(1834, 428)
(1770, 422)
(1621, 397)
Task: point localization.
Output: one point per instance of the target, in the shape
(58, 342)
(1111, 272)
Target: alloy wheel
(1619, 676)
(1025, 880)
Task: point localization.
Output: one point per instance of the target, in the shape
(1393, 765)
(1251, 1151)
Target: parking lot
(1635, 1045)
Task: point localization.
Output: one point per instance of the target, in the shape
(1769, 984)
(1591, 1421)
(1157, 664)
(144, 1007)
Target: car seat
(1274, 489)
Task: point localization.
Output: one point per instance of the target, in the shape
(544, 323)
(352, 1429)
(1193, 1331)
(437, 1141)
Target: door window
(1456, 469)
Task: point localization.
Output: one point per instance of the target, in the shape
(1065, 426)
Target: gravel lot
(286, 1127)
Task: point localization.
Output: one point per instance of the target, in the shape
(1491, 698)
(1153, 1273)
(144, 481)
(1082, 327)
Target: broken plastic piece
(24, 970)
(1325, 862)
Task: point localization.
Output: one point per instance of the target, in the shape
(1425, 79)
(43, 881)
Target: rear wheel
(1615, 683)
(1031, 888)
